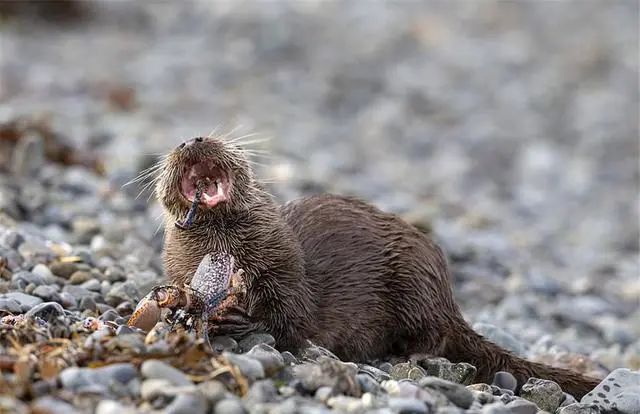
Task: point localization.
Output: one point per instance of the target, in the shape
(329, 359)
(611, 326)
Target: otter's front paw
(233, 321)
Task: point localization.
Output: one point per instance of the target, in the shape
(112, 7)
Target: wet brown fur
(335, 270)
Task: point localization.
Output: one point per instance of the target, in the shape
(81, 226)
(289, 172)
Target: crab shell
(149, 309)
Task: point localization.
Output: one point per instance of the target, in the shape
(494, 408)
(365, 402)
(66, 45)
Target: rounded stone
(153, 368)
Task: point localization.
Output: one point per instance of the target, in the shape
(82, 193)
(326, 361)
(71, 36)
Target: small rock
(314, 352)
(262, 391)
(51, 405)
(522, 406)
(461, 373)
(375, 373)
(345, 404)
(10, 305)
(47, 311)
(249, 367)
(505, 380)
(213, 390)
(48, 293)
(407, 405)
(113, 407)
(79, 276)
(91, 285)
(579, 408)
(406, 370)
(187, 403)
(329, 372)
(153, 368)
(63, 269)
(495, 408)
(547, 395)
(289, 358)
(229, 406)
(627, 402)
(13, 405)
(223, 343)
(153, 387)
(458, 394)
(605, 395)
(87, 303)
(252, 340)
(270, 358)
(368, 384)
(123, 291)
(23, 278)
(25, 301)
(103, 380)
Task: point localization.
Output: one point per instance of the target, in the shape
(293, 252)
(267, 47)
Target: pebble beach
(507, 131)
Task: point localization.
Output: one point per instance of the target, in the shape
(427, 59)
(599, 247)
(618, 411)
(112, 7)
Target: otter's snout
(190, 142)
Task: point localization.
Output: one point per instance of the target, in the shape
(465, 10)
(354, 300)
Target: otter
(335, 270)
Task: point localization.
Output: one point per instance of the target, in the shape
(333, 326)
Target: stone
(262, 391)
(457, 393)
(495, 408)
(48, 293)
(251, 340)
(406, 370)
(25, 301)
(122, 291)
(63, 269)
(340, 376)
(110, 379)
(579, 408)
(229, 406)
(223, 343)
(605, 395)
(79, 276)
(461, 373)
(407, 405)
(187, 403)
(10, 305)
(213, 390)
(51, 405)
(547, 395)
(47, 311)
(375, 373)
(522, 406)
(114, 407)
(153, 368)
(313, 352)
(250, 367)
(368, 384)
(269, 357)
(505, 381)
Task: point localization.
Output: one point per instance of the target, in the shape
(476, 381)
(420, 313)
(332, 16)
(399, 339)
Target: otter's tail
(488, 358)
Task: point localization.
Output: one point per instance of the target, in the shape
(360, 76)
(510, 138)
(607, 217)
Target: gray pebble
(375, 373)
(213, 390)
(229, 406)
(10, 305)
(223, 343)
(114, 407)
(21, 279)
(407, 405)
(102, 380)
(187, 403)
(42, 271)
(289, 358)
(522, 406)
(269, 357)
(262, 391)
(25, 301)
(48, 293)
(252, 340)
(406, 370)
(458, 394)
(153, 368)
(368, 384)
(618, 381)
(123, 291)
(495, 408)
(87, 303)
(91, 285)
(505, 380)
(579, 408)
(547, 395)
(47, 311)
(461, 372)
(250, 367)
(51, 405)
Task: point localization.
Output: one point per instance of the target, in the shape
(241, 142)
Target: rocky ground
(508, 130)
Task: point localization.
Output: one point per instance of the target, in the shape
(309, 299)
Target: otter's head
(221, 171)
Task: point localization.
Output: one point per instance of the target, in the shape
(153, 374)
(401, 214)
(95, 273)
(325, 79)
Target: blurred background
(507, 130)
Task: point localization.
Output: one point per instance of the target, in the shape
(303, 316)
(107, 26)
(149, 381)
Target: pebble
(262, 391)
(156, 369)
(249, 367)
(25, 301)
(114, 407)
(547, 395)
(251, 340)
(458, 394)
(406, 370)
(123, 291)
(229, 406)
(51, 405)
(461, 373)
(269, 357)
(331, 373)
(224, 343)
(580, 408)
(47, 311)
(620, 388)
(213, 390)
(495, 408)
(79, 277)
(10, 305)
(407, 405)
(187, 403)
(522, 406)
(375, 373)
(63, 269)
(505, 381)
(102, 380)
(47, 293)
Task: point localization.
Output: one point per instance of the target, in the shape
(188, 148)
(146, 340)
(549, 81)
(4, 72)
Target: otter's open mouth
(214, 182)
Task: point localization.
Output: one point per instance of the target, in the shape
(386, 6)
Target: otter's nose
(190, 142)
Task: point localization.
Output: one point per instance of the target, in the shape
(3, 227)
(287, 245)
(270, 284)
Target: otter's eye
(199, 139)
(182, 145)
